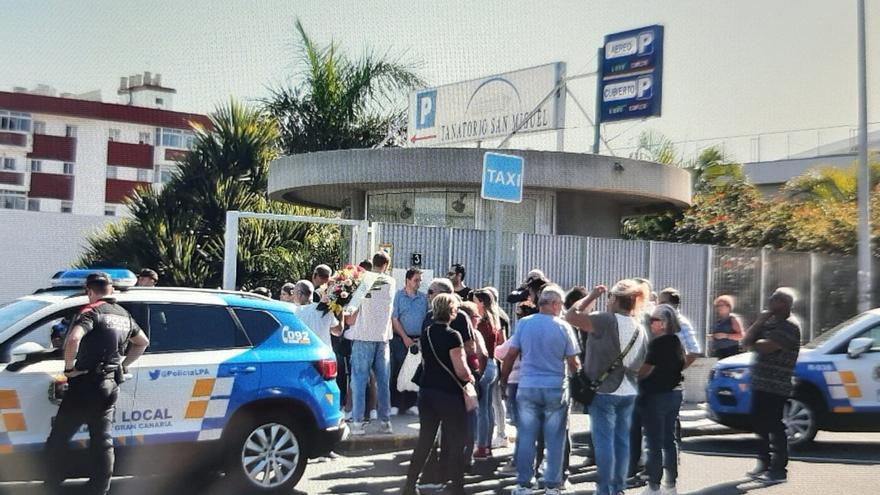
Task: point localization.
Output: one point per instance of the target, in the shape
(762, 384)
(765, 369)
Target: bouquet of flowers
(347, 288)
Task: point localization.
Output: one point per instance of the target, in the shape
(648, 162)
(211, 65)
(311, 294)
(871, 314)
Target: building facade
(564, 193)
(76, 154)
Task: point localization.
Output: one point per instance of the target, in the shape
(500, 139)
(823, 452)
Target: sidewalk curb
(378, 442)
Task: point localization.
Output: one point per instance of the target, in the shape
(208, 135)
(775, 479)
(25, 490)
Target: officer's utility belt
(107, 372)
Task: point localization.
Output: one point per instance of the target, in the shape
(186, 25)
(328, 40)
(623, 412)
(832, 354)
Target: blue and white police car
(231, 381)
(837, 384)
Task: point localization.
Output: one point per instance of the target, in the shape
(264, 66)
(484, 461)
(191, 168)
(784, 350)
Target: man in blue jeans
(545, 343)
(370, 332)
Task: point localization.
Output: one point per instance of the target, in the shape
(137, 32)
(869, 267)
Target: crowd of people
(481, 369)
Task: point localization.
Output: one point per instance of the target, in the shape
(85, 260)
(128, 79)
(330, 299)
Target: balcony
(117, 190)
(13, 139)
(11, 178)
(53, 186)
(130, 155)
(54, 148)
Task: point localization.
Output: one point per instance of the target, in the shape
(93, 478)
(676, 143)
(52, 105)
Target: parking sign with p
(426, 106)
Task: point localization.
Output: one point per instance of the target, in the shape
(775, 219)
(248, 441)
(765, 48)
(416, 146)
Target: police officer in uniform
(95, 359)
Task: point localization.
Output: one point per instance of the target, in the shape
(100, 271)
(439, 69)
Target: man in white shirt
(307, 311)
(370, 332)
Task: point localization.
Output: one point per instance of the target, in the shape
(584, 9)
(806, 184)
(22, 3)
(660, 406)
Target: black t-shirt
(460, 324)
(667, 356)
(465, 293)
(434, 376)
(108, 328)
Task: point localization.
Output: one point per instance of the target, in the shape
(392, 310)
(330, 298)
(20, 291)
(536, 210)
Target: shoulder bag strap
(451, 374)
(619, 360)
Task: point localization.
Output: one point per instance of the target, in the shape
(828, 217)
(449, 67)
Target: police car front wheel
(270, 455)
(800, 421)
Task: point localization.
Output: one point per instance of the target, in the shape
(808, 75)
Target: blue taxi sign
(502, 177)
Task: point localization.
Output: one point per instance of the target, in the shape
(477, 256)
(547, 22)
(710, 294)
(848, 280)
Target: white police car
(231, 381)
(837, 384)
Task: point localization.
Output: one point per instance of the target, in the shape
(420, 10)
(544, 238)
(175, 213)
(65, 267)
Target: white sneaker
(357, 429)
(552, 491)
(394, 411)
(385, 427)
(499, 443)
(650, 491)
(668, 490)
(413, 411)
(374, 415)
(522, 490)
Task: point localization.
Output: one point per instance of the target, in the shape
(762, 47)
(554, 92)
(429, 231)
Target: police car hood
(746, 358)
(735, 361)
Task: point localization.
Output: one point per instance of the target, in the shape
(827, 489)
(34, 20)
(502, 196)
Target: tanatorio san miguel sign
(490, 107)
(632, 74)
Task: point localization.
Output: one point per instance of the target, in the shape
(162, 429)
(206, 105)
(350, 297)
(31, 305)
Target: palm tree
(179, 230)
(342, 103)
(829, 183)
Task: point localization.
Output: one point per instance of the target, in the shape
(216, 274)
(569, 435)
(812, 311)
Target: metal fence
(825, 284)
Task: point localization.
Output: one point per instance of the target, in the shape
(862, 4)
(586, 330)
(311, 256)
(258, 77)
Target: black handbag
(583, 390)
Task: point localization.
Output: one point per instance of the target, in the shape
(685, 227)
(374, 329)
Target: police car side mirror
(23, 350)
(859, 346)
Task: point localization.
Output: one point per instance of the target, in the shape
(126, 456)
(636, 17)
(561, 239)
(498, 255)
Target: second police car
(837, 384)
(231, 381)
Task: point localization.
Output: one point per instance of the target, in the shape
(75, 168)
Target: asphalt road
(839, 463)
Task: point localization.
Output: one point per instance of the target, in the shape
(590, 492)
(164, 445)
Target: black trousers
(90, 400)
(436, 409)
(635, 440)
(767, 422)
(342, 348)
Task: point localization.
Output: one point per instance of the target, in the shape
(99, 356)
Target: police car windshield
(16, 310)
(828, 335)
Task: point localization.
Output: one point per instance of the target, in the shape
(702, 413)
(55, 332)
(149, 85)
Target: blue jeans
(486, 411)
(544, 409)
(364, 357)
(658, 416)
(611, 417)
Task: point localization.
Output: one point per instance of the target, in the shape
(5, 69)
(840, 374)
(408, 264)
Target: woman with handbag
(660, 398)
(446, 394)
(615, 352)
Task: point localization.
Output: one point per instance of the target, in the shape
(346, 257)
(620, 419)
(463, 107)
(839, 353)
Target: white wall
(35, 245)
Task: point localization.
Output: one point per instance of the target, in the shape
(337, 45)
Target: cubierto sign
(490, 107)
(630, 83)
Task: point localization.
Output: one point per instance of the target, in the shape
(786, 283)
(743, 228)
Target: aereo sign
(502, 177)
(630, 83)
(486, 108)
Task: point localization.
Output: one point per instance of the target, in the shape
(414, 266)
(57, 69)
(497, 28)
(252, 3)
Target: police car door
(857, 380)
(197, 354)
(27, 401)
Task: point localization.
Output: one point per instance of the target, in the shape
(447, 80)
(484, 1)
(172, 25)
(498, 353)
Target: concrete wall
(586, 215)
(35, 245)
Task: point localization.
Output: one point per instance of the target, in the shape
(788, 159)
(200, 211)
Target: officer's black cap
(98, 279)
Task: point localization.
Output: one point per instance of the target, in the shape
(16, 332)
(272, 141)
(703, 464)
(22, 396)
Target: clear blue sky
(731, 67)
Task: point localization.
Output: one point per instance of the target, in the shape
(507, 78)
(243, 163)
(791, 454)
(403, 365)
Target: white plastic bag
(408, 370)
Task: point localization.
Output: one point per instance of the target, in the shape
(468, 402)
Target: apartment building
(76, 154)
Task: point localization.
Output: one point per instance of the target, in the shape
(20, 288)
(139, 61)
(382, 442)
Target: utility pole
(864, 177)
